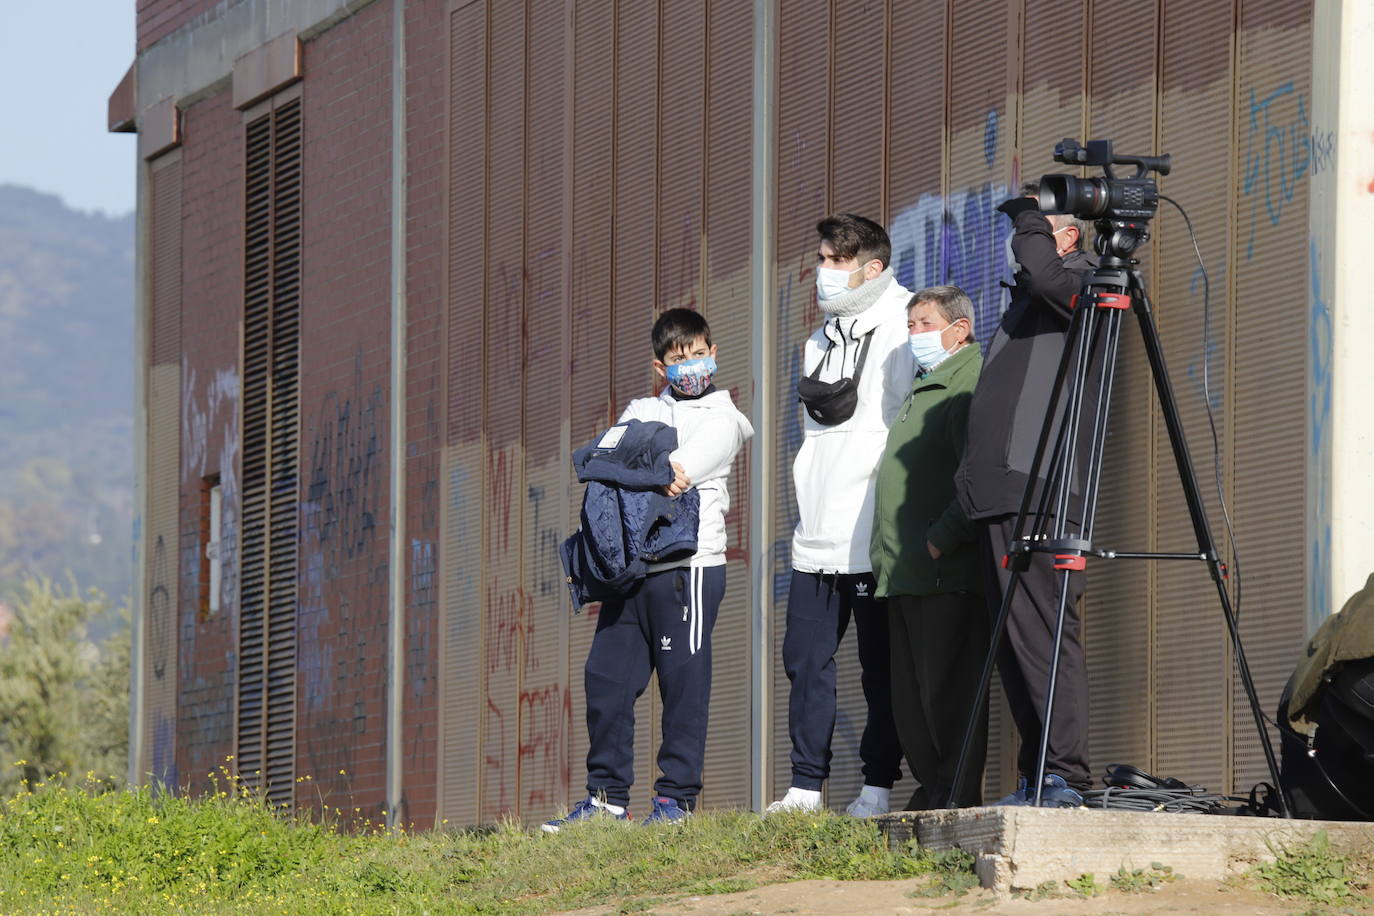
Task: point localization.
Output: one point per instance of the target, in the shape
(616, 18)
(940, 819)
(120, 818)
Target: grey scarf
(857, 301)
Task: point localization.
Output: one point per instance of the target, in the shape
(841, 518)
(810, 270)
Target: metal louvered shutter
(1118, 606)
(545, 719)
(634, 262)
(1271, 273)
(266, 703)
(591, 321)
(1189, 663)
(724, 238)
(803, 28)
(461, 770)
(505, 605)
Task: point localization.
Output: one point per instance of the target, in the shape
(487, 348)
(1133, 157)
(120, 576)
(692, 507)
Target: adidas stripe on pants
(665, 626)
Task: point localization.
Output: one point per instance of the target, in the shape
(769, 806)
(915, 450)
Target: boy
(925, 555)
(665, 623)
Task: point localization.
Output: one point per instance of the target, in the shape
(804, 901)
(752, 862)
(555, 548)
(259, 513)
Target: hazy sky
(59, 62)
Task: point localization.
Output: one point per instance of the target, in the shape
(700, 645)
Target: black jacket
(1013, 393)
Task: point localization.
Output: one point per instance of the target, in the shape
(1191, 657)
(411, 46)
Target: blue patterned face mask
(692, 377)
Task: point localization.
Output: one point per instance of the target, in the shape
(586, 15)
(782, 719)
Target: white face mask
(832, 282)
(927, 349)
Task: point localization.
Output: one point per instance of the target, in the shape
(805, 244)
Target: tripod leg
(1198, 512)
(1047, 720)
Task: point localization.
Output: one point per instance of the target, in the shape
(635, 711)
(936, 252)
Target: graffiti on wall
(343, 584)
(1319, 331)
(526, 709)
(958, 239)
(1281, 148)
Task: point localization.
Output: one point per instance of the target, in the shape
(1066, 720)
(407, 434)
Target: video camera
(1111, 198)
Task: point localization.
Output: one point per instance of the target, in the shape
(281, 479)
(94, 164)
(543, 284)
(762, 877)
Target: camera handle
(1088, 365)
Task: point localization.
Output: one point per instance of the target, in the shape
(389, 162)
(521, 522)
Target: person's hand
(681, 482)
(933, 551)
(1018, 205)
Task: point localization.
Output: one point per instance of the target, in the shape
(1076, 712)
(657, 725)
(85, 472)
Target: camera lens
(1084, 197)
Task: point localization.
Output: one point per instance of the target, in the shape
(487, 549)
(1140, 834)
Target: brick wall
(212, 284)
(341, 723)
(159, 18)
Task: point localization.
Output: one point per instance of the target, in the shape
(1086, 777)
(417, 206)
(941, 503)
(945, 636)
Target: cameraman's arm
(1042, 270)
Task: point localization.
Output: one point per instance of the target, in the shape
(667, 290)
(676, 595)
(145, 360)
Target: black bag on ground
(1330, 774)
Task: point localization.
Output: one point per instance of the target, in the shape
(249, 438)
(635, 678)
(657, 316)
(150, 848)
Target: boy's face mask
(692, 377)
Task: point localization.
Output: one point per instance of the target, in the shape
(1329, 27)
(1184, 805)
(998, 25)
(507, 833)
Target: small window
(211, 564)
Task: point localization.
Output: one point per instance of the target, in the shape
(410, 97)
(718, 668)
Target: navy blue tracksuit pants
(819, 606)
(664, 625)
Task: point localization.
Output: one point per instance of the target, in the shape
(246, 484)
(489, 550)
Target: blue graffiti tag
(1278, 151)
(1318, 415)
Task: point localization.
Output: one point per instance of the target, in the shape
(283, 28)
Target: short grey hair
(950, 301)
(1060, 220)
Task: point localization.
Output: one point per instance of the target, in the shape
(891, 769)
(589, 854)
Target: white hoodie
(836, 467)
(710, 432)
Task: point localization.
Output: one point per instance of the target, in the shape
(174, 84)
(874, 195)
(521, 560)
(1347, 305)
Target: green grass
(88, 850)
(1135, 881)
(1313, 871)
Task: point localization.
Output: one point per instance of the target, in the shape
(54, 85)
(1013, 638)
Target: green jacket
(914, 498)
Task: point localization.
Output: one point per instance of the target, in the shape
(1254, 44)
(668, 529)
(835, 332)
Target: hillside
(66, 392)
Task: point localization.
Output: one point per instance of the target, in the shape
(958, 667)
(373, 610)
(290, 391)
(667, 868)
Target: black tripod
(1069, 494)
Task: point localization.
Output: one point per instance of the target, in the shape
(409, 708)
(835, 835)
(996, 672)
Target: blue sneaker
(1054, 794)
(666, 811)
(1020, 796)
(586, 809)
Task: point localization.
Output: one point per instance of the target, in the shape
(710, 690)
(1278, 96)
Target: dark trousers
(939, 645)
(665, 626)
(1025, 655)
(818, 610)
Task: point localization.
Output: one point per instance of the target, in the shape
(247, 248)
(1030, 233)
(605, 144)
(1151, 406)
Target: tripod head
(1117, 240)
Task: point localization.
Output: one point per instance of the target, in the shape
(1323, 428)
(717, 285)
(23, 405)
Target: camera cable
(1207, 397)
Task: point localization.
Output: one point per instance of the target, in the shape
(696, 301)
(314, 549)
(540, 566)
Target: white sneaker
(796, 800)
(872, 800)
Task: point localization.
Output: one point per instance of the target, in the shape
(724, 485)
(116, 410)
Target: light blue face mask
(692, 377)
(927, 349)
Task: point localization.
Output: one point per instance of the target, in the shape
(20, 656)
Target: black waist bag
(831, 403)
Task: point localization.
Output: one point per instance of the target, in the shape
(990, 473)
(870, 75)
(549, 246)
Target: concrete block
(1020, 848)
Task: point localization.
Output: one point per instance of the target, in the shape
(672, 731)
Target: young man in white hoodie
(857, 370)
(665, 624)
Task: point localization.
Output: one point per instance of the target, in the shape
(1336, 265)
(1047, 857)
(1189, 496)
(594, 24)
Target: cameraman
(1005, 418)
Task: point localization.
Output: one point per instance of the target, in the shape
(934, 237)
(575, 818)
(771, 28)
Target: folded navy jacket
(627, 522)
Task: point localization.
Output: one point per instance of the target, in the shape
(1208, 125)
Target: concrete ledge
(1020, 848)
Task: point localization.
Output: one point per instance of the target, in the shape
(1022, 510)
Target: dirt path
(892, 898)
